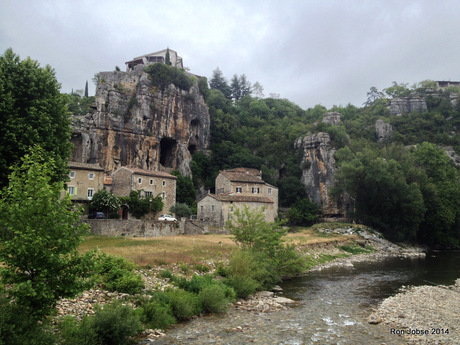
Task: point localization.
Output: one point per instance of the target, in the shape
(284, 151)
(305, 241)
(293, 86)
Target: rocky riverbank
(422, 315)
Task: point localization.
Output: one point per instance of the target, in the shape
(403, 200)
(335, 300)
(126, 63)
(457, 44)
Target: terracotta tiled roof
(107, 180)
(150, 173)
(241, 198)
(243, 175)
(87, 166)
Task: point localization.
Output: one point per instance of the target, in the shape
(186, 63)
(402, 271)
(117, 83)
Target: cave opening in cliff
(167, 152)
(192, 149)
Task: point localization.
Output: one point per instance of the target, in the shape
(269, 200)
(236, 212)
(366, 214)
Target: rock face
(318, 171)
(382, 130)
(332, 118)
(399, 106)
(136, 124)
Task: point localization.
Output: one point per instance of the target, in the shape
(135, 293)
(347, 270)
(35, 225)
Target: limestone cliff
(136, 124)
(318, 172)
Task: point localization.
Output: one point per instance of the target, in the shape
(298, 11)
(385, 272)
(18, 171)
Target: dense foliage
(39, 236)
(32, 111)
(389, 186)
(162, 75)
(106, 202)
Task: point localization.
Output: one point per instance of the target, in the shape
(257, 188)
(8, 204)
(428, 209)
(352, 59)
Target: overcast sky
(310, 52)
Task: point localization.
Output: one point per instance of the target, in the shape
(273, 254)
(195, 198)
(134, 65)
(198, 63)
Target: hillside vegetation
(406, 186)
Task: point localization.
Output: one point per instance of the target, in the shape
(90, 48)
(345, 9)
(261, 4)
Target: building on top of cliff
(236, 188)
(159, 56)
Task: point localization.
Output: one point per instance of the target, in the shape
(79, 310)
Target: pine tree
(167, 58)
(86, 89)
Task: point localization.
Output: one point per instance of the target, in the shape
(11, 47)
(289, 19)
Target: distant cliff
(138, 124)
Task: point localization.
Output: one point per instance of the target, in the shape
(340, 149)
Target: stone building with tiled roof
(234, 189)
(151, 183)
(85, 180)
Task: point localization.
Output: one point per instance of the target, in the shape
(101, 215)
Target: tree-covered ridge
(392, 187)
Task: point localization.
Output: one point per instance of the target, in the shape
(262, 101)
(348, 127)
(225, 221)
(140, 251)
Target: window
(151, 182)
(91, 176)
(239, 190)
(148, 195)
(163, 195)
(90, 193)
(164, 183)
(231, 209)
(255, 190)
(212, 208)
(139, 180)
(201, 208)
(269, 191)
(72, 174)
(71, 190)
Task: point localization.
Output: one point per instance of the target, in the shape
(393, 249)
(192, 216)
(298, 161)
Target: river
(333, 306)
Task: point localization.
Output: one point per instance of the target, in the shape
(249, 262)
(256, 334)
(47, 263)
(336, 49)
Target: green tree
(39, 236)
(181, 210)
(167, 58)
(441, 191)
(185, 191)
(105, 202)
(86, 89)
(303, 212)
(140, 206)
(218, 82)
(32, 111)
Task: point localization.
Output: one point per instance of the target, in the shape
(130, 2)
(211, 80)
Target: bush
(183, 304)
(18, 326)
(117, 274)
(165, 274)
(213, 298)
(249, 272)
(156, 313)
(112, 325)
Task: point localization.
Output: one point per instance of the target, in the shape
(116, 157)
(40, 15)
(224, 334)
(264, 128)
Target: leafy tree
(303, 212)
(77, 104)
(163, 75)
(105, 202)
(373, 95)
(253, 234)
(139, 206)
(39, 236)
(32, 111)
(218, 82)
(441, 191)
(181, 210)
(185, 191)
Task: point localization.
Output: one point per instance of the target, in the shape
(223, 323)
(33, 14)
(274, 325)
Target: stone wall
(135, 227)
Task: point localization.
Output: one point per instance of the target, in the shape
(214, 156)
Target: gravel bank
(422, 315)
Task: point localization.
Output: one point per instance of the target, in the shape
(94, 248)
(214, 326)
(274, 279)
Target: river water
(332, 306)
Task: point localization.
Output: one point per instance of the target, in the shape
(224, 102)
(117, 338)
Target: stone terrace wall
(135, 227)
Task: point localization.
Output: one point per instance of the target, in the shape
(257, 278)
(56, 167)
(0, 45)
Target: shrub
(165, 274)
(156, 313)
(112, 325)
(183, 304)
(18, 326)
(117, 274)
(201, 268)
(213, 298)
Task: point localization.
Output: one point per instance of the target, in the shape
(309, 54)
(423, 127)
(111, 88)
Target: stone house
(159, 56)
(151, 183)
(234, 189)
(85, 180)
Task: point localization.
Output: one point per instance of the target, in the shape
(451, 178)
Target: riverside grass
(192, 249)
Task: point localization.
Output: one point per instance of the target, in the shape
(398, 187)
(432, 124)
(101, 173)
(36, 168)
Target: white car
(167, 217)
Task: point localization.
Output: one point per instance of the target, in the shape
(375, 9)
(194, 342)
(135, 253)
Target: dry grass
(189, 249)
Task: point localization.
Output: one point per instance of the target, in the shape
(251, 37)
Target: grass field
(190, 249)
